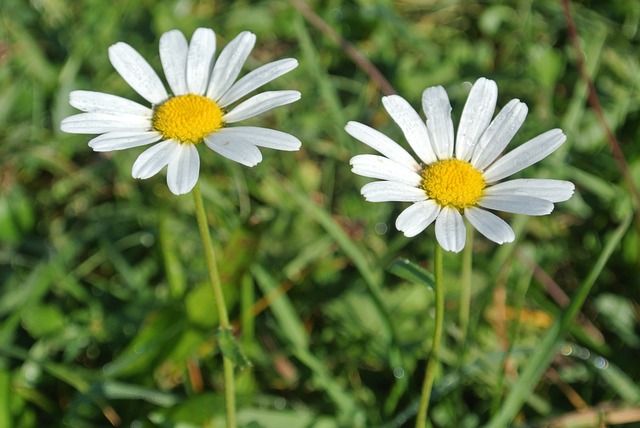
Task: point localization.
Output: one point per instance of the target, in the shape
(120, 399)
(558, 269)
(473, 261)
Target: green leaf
(5, 395)
(282, 309)
(550, 344)
(618, 380)
(291, 324)
(411, 272)
(125, 391)
(231, 349)
(154, 342)
(41, 320)
(619, 314)
(16, 215)
(199, 303)
(197, 411)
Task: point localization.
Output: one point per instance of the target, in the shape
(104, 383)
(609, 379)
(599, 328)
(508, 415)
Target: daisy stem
(432, 361)
(218, 297)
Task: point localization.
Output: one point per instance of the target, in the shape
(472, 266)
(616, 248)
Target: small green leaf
(113, 390)
(619, 314)
(412, 272)
(43, 320)
(16, 215)
(231, 349)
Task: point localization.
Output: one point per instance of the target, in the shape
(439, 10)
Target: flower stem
(437, 334)
(218, 297)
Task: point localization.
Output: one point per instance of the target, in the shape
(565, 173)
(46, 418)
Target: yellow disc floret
(187, 118)
(452, 182)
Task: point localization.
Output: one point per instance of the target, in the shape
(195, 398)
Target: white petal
(200, 58)
(259, 104)
(236, 149)
(261, 137)
(387, 191)
(374, 166)
(525, 155)
(98, 102)
(437, 108)
(152, 160)
(414, 129)
(137, 72)
(183, 169)
(381, 143)
(98, 123)
(516, 204)
(173, 55)
(498, 134)
(123, 140)
(258, 77)
(450, 230)
(476, 116)
(490, 225)
(417, 217)
(543, 188)
(229, 64)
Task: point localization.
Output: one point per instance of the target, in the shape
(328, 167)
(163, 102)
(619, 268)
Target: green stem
(218, 297)
(432, 361)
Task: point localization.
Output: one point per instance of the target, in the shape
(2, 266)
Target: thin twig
(594, 101)
(360, 60)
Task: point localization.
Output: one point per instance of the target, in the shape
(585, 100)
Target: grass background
(105, 314)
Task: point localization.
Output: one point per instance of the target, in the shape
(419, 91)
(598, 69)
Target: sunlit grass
(105, 310)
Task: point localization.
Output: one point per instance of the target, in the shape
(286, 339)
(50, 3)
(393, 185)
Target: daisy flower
(203, 87)
(457, 181)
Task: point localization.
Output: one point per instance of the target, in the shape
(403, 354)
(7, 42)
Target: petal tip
(117, 46)
(454, 248)
(248, 37)
(408, 234)
(180, 190)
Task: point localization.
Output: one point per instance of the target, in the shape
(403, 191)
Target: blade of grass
(358, 58)
(5, 394)
(294, 331)
(358, 257)
(328, 96)
(620, 382)
(360, 260)
(172, 266)
(247, 317)
(549, 346)
(328, 93)
(410, 271)
(594, 102)
(123, 391)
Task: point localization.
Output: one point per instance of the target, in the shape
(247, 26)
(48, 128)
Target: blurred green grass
(105, 313)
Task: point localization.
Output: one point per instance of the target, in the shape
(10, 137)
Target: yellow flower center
(187, 118)
(453, 182)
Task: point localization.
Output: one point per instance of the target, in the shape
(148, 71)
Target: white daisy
(203, 88)
(456, 181)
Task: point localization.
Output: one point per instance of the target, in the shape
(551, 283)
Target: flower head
(203, 88)
(458, 180)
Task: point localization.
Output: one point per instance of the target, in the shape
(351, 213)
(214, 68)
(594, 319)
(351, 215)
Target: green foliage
(106, 317)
